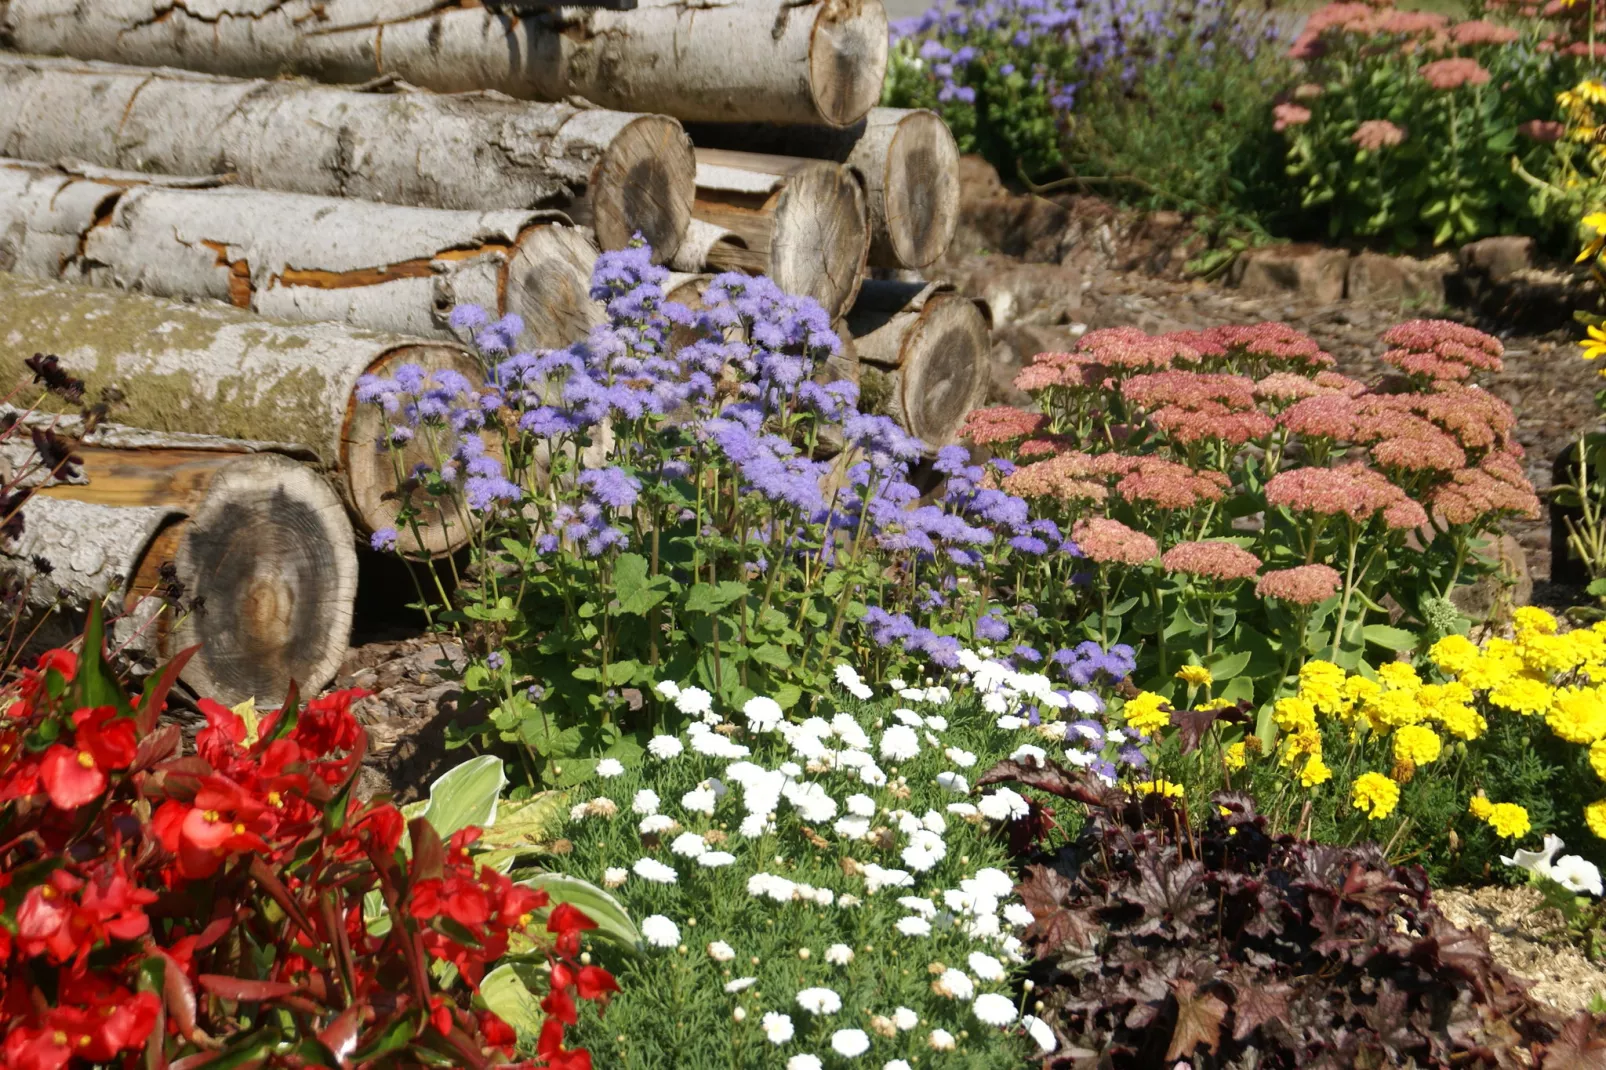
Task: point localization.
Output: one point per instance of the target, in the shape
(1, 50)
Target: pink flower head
(1305, 585)
(1351, 490)
(1376, 134)
(1481, 32)
(1213, 559)
(1411, 23)
(1339, 18)
(1067, 370)
(1476, 418)
(1441, 350)
(1418, 450)
(1067, 477)
(1496, 488)
(1446, 74)
(1189, 390)
(1001, 423)
(1286, 115)
(1256, 349)
(1331, 416)
(1130, 350)
(1545, 130)
(1112, 542)
(1160, 483)
(1289, 386)
(1342, 383)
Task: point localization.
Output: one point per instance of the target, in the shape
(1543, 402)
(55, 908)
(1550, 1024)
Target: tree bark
(907, 159)
(297, 257)
(721, 60)
(219, 371)
(260, 543)
(613, 171)
(803, 222)
(923, 353)
(705, 242)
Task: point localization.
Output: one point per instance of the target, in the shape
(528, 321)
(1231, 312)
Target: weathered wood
(906, 158)
(299, 257)
(260, 543)
(720, 60)
(705, 242)
(215, 370)
(616, 172)
(923, 353)
(803, 222)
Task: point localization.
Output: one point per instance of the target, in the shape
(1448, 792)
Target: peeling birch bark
(907, 159)
(615, 172)
(923, 353)
(802, 221)
(299, 257)
(779, 61)
(218, 371)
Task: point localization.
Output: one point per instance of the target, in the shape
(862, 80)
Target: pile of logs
(220, 215)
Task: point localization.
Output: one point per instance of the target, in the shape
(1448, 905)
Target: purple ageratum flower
(612, 486)
(992, 627)
(495, 661)
(400, 436)
(1029, 654)
(1132, 757)
(484, 492)
(384, 540)
(468, 318)
(546, 543)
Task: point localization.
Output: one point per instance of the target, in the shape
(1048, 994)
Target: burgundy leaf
(1580, 1045)
(1255, 1003)
(243, 990)
(1199, 1017)
(1192, 725)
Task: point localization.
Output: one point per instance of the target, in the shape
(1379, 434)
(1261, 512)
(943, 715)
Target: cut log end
(821, 237)
(548, 286)
(848, 59)
(644, 183)
(372, 468)
(921, 193)
(944, 368)
(271, 551)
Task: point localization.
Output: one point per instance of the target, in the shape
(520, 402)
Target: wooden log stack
(220, 216)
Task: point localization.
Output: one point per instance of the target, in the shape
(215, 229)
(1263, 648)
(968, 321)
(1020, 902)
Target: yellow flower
(1595, 818)
(1293, 713)
(1460, 720)
(1144, 714)
(1195, 676)
(1395, 707)
(1399, 675)
(1416, 744)
(1480, 807)
(1578, 714)
(1597, 757)
(1359, 691)
(1160, 787)
(1235, 758)
(1509, 820)
(1454, 654)
(1321, 683)
(1593, 346)
(1375, 795)
(1302, 741)
(1500, 662)
(1527, 620)
(1523, 694)
(1315, 772)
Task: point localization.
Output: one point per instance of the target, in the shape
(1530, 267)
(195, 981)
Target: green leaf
(772, 655)
(1389, 637)
(787, 695)
(711, 597)
(636, 591)
(508, 995)
(613, 921)
(95, 683)
(1228, 666)
(466, 795)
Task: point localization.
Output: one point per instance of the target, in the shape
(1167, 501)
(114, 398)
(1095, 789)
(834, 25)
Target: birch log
(219, 371)
(906, 158)
(613, 171)
(780, 61)
(802, 221)
(297, 257)
(923, 353)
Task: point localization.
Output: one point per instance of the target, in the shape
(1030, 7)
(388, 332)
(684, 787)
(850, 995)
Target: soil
(1528, 941)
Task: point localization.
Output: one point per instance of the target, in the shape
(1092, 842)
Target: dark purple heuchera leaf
(1166, 892)
(1199, 1018)
(1579, 1046)
(1191, 725)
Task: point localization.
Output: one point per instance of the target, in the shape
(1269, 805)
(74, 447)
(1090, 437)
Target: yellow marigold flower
(1394, 708)
(1597, 757)
(1315, 772)
(1578, 714)
(1491, 670)
(1293, 713)
(1160, 787)
(1416, 744)
(1359, 691)
(1235, 758)
(1480, 807)
(1454, 654)
(1530, 620)
(1595, 818)
(1509, 820)
(1375, 795)
(1399, 675)
(1195, 676)
(1460, 720)
(1144, 714)
(1322, 684)
(1549, 654)
(1302, 741)
(1523, 694)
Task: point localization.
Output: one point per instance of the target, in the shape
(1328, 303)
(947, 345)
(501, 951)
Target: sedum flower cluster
(831, 889)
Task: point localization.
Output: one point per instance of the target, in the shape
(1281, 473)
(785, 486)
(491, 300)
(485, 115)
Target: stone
(1498, 258)
(1511, 584)
(1014, 348)
(1016, 294)
(1308, 271)
(1399, 280)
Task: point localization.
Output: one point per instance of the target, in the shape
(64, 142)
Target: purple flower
(494, 661)
(992, 627)
(384, 540)
(612, 486)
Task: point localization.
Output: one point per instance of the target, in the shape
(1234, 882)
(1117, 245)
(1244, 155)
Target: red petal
(595, 982)
(69, 783)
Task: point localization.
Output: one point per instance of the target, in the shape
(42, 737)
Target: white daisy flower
(715, 859)
(579, 811)
(1018, 914)
(740, 983)
(1027, 754)
(1084, 702)
(952, 781)
(985, 966)
(1041, 1032)
(614, 876)
(767, 884)
(918, 905)
(700, 801)
(777, 1027)
(913, 926)
(754, 825)
(1115, 735)
(955, 984)
(839, 954)
(861, 805)
(659, 931)
(899, 743)
(668, 689)
(790, 769)
(824, 897)
(1005, 804)
(720, 951)
(905, 1019)
(610, 767)
(872, 776)
(804, 1062)
(960, 757)
(762, 714)
(848, 677)
(909, 717)
(993, 1009)
(665, 747)
(896, 683)
(693, 701)
(653, 824)
(813, 803)
(1010, 723)
(962, 809)
(852, 828)
(650, 869)
(941, 1040)
(819, 1001)
(688, 845)
(849, 731)
(934, 822)
(912, 694)
(989, 880)
(645, 802)
(850, 1043)
(896, 1064)
(935, 722)
(877, 878)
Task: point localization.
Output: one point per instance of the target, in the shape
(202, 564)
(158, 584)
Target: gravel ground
(1528, 941)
